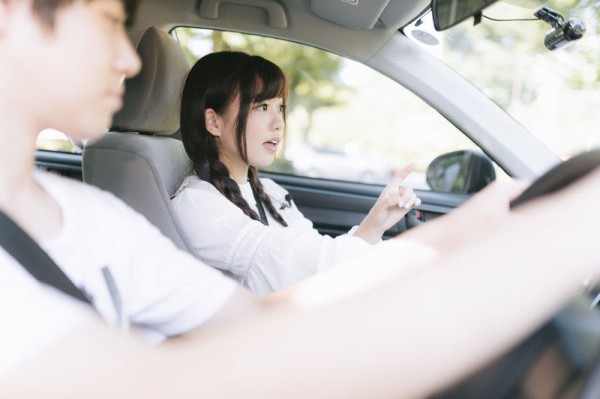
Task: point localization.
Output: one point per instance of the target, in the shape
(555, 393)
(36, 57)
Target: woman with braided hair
(232, 122)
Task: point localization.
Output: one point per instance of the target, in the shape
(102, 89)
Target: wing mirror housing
(463, 172)
(447, 13)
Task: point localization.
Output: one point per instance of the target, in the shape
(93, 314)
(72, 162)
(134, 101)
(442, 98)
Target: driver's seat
(137, 160)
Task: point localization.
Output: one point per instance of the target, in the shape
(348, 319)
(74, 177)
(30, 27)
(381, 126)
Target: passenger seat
(137, 160)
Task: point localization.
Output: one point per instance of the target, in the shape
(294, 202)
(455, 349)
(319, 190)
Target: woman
(232, 123)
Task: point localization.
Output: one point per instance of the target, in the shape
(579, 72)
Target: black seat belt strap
(32, 257)
(260, 207)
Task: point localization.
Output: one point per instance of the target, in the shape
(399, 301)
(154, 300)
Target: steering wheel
(555, 179)
(575, 330)
(560, 176)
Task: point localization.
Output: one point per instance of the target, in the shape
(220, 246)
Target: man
(392, 331)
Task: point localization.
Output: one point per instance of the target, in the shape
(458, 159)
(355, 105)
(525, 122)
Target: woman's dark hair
(215, 81)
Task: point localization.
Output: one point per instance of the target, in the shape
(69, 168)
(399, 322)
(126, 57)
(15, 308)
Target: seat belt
(34, 259)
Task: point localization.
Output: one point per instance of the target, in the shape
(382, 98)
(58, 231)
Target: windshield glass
(555, 94)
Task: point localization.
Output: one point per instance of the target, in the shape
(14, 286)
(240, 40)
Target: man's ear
(3, 15)
(10, 7)
(212, 121)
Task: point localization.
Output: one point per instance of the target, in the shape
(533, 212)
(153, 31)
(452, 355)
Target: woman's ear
(212, 121)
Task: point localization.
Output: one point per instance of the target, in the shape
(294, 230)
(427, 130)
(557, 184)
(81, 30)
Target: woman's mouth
(272, 145)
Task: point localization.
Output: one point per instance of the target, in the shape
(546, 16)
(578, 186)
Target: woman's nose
(278, 120)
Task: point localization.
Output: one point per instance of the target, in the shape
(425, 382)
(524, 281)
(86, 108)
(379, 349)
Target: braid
(264, 198)
(219, 177)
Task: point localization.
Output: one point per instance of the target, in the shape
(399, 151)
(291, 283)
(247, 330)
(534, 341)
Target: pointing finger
(403, 174)
(398, 177)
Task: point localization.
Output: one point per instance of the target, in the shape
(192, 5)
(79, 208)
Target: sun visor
(355, 14)
(365, 14)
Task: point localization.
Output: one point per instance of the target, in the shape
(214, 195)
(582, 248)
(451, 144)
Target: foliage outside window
(554, 94)
(345, 121)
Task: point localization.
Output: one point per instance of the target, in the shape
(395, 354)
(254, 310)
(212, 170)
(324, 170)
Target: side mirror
(463, 172)
(447, 13)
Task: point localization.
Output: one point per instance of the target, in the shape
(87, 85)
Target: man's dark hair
(46, 9)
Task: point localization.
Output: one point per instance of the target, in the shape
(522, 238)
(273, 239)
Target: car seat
(136, 159)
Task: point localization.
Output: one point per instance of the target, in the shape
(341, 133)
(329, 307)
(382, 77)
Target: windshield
(554, 94)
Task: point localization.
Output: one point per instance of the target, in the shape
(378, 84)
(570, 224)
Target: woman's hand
(393, 203)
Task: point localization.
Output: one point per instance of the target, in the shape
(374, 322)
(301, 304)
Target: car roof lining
(274, 19)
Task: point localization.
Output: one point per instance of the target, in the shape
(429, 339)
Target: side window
(58, 154)
(53, 140)
(345, 120)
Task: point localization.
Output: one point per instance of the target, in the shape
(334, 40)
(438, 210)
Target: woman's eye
(262, 107)
(282, 108)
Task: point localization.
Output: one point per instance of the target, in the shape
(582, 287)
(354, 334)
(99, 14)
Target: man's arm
(407, 335)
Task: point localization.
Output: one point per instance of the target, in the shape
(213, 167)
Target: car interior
(137, 160)
(142, 161)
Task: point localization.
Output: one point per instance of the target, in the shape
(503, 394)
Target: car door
(335, 207)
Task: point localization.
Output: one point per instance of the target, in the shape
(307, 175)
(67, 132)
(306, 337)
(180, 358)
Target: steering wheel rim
(560, 176)
(557, 178)
(519, 359)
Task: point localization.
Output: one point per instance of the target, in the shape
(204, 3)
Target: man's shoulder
(72, 187)
(75, 196)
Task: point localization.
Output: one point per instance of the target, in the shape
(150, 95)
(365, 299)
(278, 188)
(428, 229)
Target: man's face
(75, 71)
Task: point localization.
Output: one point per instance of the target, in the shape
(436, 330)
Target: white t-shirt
(34, 316)
(129, 270)
(262, 258)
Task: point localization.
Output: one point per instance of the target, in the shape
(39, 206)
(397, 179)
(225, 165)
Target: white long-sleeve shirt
(262, 258)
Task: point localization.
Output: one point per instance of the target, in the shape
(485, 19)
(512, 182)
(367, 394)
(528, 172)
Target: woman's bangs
(270, 83)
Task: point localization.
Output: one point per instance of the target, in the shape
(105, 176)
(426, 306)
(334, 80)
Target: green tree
(311, 73)
(465, 44)
(554, 94)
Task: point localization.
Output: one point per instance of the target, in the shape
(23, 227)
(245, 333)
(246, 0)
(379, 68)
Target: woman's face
(264, 133)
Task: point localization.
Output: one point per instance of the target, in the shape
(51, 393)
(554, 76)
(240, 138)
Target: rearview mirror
(447, 13)
(463, 172)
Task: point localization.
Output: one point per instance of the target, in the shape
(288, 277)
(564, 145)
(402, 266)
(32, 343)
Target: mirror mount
(447, 13)
(477, 18)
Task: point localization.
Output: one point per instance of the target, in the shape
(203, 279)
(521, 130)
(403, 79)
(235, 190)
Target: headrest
(152, 98)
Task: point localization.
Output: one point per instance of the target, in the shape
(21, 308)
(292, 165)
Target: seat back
(137, 160)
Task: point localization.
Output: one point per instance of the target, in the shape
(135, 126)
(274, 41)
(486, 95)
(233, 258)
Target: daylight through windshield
(554, 94)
